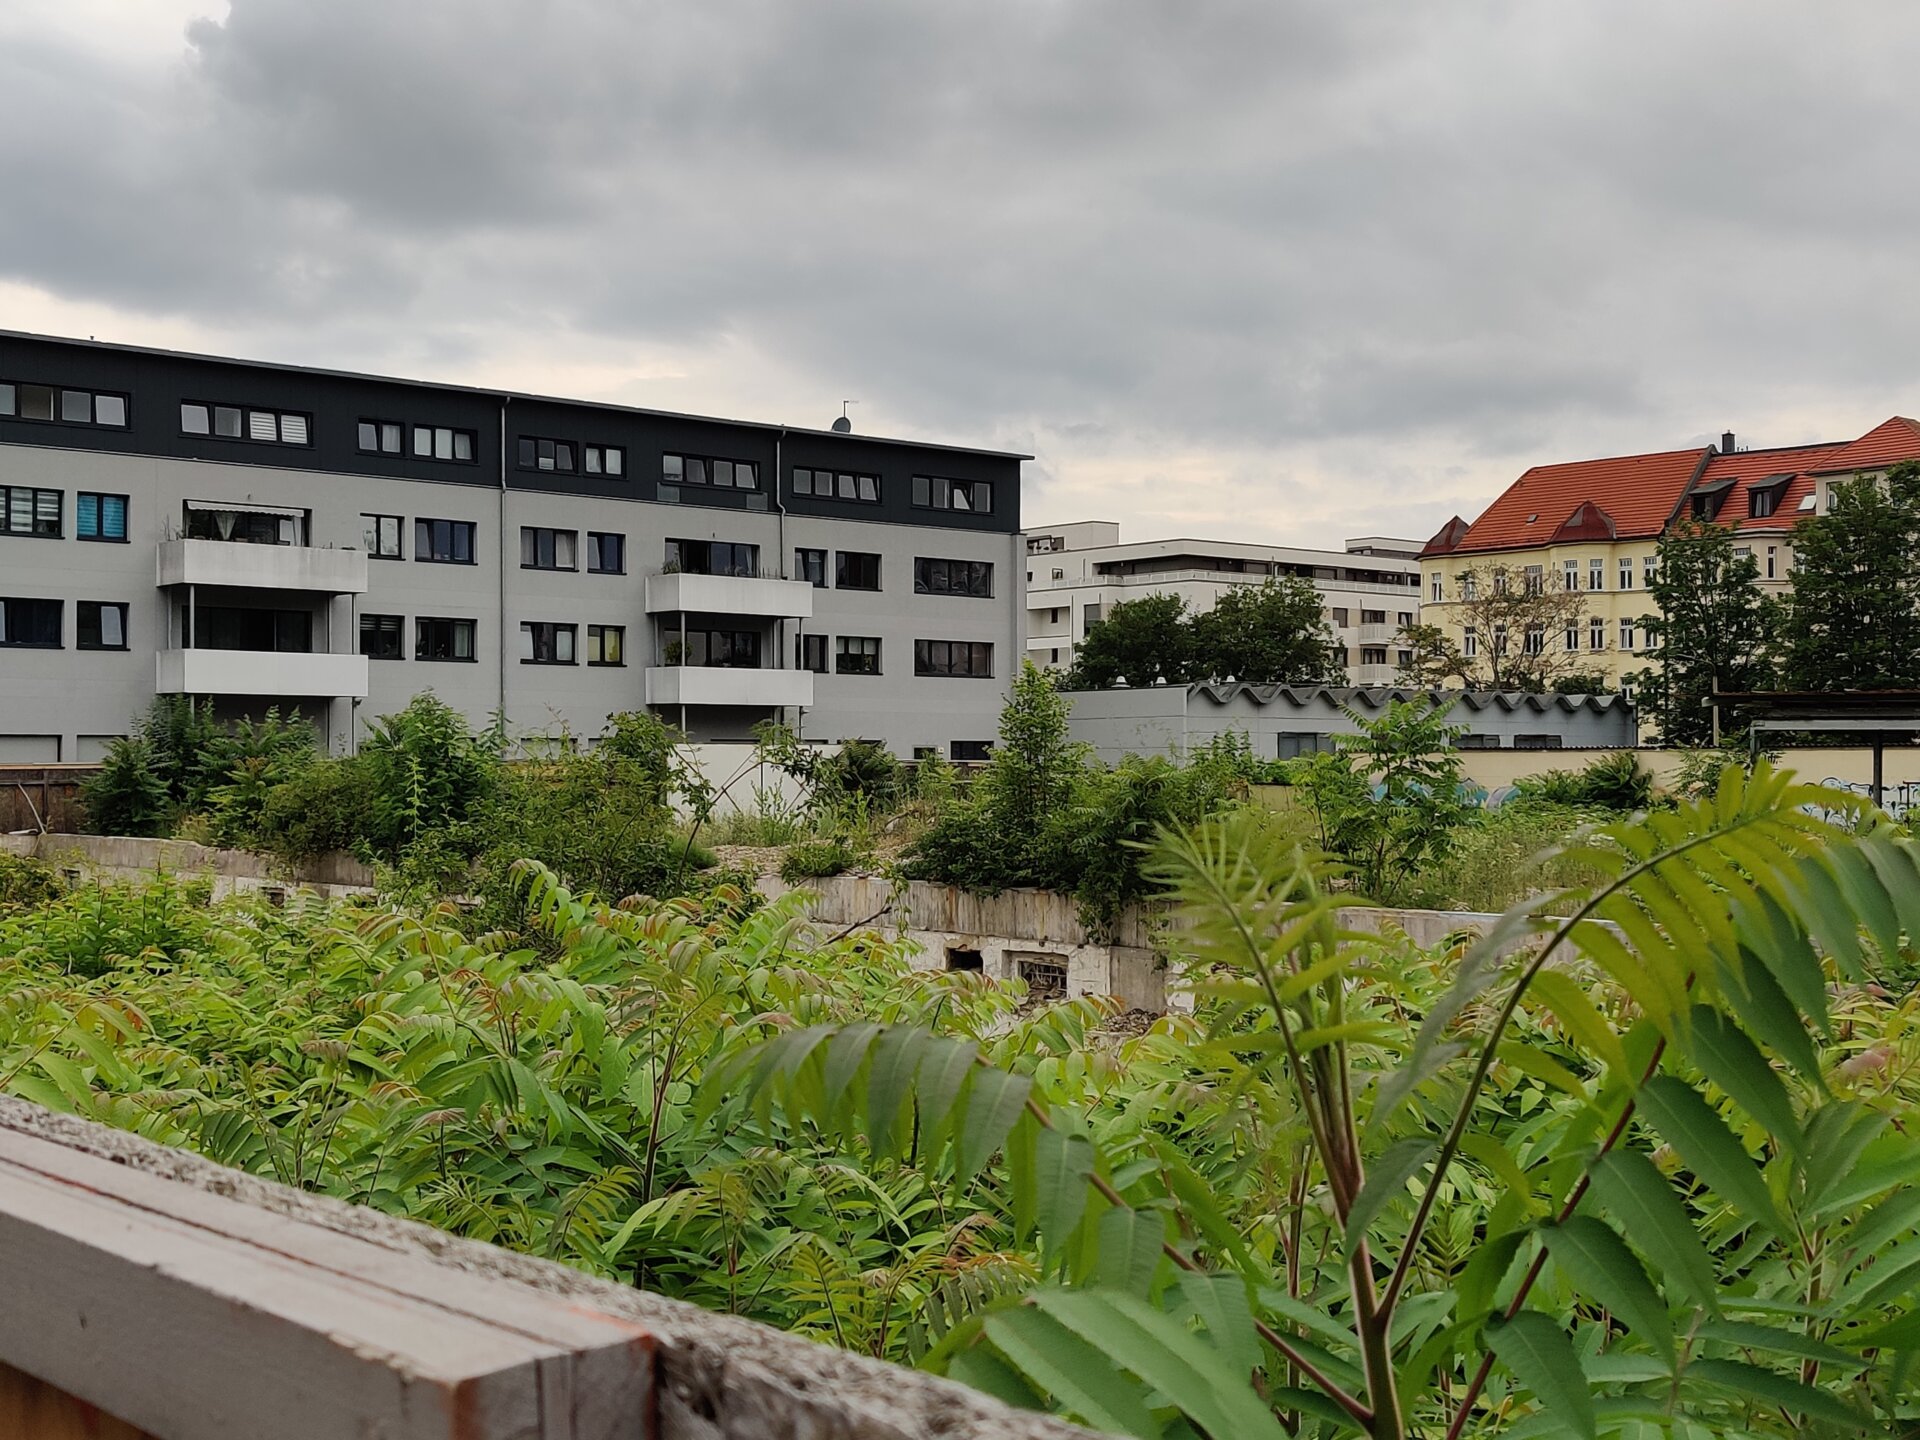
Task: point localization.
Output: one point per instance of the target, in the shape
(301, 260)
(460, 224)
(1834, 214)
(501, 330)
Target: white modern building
(1077, 572)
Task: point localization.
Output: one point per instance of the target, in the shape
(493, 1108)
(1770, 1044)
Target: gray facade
(248, 567)
(1284, 721)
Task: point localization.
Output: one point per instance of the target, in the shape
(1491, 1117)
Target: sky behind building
(1282, 271)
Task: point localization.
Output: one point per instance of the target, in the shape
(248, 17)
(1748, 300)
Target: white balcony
(262, 567)
(719, 685)
(729, 595)
(1371, 675)
(1378, 634)
(270, 673)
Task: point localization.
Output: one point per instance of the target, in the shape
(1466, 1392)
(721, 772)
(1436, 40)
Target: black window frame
(455, 434)
(59, 530)
(398, 630)
(706, 464)
(421, 633)
(678, 551)
(80, 608)
(599, 632)
(935, 492)
(810, 653)
(810, 565)
(924, 664)
(7, 624)
(865, 485)
(246, 413)
(374, 552)
(427, 554)
(56, 405)
(841, 655)
(593, 460)
(746, 644)
(380, 425)
(550, 630)
(976, 752)
(530, 445)
(99, 497)
(595, 549)
(545, 543)
(926, 569)
(840, 569)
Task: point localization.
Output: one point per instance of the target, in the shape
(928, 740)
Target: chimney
(1726, 443)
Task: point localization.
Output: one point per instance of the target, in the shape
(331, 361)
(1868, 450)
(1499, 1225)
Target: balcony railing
(274, 673)
(681, 592)
(1231, 577)
(261, 567)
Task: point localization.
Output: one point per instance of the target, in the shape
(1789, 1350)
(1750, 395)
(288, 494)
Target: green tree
(1713, 629)
(1274, 633)
(1142, 642)
(1853, 620)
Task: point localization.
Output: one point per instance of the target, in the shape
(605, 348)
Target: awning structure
(247, 507)
(1875, 718)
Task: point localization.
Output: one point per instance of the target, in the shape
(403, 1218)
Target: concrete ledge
(126, 857)
(714, 1377)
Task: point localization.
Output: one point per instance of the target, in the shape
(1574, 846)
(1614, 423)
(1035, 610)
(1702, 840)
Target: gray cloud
(1361, 260)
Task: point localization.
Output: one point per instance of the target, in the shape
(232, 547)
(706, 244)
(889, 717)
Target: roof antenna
(844, 425)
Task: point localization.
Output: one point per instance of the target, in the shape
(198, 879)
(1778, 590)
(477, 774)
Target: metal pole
(1879, 768)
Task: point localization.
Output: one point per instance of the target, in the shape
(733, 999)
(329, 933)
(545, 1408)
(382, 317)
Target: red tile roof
(1895, 439)
(1638, 493)
(1749, 468)
(1448, 536)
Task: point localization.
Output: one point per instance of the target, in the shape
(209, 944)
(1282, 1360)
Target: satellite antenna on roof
(844, 425)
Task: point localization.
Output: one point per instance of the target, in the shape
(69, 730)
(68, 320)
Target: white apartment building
(1077, 572)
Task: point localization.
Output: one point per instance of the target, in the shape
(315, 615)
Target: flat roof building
(336, 543)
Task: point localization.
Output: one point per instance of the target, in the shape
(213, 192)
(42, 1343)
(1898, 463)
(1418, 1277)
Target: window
(1743, 552)
(811, 566)
(1536, 579)
(856, 655)
(936, 492)
(1469, 585)
(1761, 502)
(1403, 618)
(380, 437)
(544, 549)
(1773, 560)
(1649, 569)
(28, 511)
(235, 627)
(100, 625)
(1373, 617)
(22, 401)
(1626, 634)
(543, 642)
(25, 622)
(1500, 582)
(810, 653)
(1626, 573)
(98, 516)
(1436, 587)
(1499, 639)
(837, 485)
(1373, 654)
(1341, 615)
(438, 639)
(244, 422)
(856, 570)
(443, 542)
(606, 460)
(1470, 643)
(1571, 640)
(1596, 634)
(606, 644)
(244, 525)
(1535, 640)
(538, 454)
(1053, 616)
(606, 553)
(1089, 617)
(381, 536)
(1569, 575)
(718, 649)
(713, 557)
(972, 578)
(709, 470)
(970, 750)
(380, 636)
(968, 659)
(439, 442)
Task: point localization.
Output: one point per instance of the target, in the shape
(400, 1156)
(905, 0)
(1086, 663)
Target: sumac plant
(1616, 1173)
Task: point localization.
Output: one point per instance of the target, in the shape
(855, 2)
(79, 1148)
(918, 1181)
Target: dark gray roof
(1364, 697)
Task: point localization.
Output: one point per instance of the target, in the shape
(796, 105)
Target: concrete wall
(120, 857)
(194, 1302)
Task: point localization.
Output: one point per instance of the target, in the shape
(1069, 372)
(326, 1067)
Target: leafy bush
(320, 808)
(128, 794)
(1616, 782)
(813, 859)
(426, 770)
(26, 883)
(1500, 857)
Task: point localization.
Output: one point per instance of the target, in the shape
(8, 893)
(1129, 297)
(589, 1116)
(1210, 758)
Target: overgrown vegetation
(1644, 1170)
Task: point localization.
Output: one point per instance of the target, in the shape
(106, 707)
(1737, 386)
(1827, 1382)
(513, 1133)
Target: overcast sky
(1288, 270)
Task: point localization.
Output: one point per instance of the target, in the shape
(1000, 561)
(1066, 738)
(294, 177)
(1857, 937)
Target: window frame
(593, 460)
(840, 559)
(374, 552)
(399, 635)
(861, 482)
(924, 664)
(530, 631)
(548, 537)
(420, 622)
(59, 623)
(807, 648)
(455, 434)
(841, 654)
(706, 464)
(923, 572)
(56, 405)
(126, 612)
(246, 412)
(35, 492)
(594, 548)
(473, 540)
(805, 570)
(521, 451)
(99, 497)
(935, 492)
(597, 642)
(380, 425)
